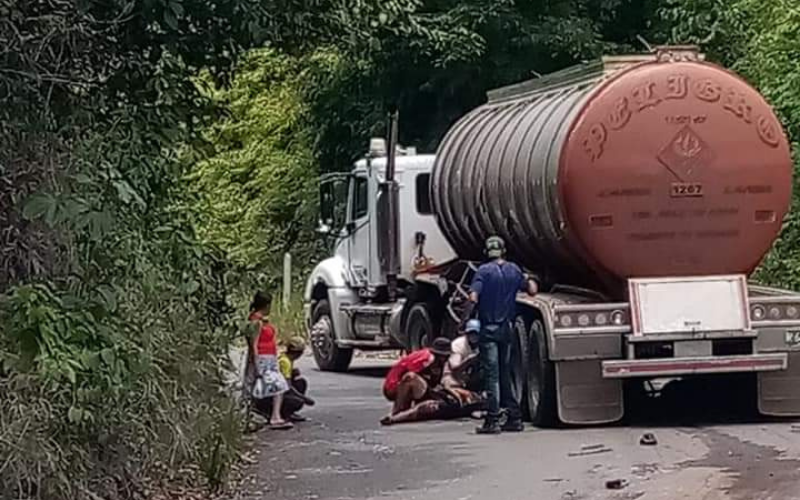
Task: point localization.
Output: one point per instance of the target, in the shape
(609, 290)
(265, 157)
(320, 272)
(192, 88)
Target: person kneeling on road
(295, 398)
(410, 379)
(461, 370)
(455, 398)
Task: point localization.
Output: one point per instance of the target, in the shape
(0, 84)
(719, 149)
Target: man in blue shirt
(494, 291)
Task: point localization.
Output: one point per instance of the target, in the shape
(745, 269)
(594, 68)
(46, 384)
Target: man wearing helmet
(494, 292)
(460, 371)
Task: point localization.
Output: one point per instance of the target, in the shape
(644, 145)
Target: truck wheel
(541, 379)
(519, 363)
(419, 327)
(328, 355)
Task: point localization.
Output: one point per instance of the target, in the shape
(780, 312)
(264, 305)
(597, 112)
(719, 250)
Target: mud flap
(584, 396)
(779, 392)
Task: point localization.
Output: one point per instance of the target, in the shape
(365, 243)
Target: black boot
(490, 426)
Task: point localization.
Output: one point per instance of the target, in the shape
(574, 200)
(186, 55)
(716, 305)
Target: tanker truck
(640, 192)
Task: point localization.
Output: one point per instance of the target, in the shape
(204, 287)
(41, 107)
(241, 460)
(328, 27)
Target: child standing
(264, 351)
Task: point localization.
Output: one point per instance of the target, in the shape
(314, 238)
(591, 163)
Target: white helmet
(473, 325)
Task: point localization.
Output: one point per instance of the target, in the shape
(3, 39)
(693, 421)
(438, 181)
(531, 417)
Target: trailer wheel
(541, 379)
(520, 364)
(328, 355)
(419, 327)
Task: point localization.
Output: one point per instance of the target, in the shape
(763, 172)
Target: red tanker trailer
(640, 190)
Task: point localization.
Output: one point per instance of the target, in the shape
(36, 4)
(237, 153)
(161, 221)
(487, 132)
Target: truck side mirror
(350, 227)
(323, 228)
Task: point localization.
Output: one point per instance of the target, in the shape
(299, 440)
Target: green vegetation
(158, 157)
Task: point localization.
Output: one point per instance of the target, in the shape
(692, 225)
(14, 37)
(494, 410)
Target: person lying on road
(443, 404)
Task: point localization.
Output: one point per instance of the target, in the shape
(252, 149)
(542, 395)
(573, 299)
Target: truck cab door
(359, 227)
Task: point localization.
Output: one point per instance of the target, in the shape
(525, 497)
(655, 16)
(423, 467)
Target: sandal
(281, 426)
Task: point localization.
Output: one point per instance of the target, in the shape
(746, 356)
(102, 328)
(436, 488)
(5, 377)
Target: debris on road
(591, 449)
(616, 484)
(644, 470)
(648, 439)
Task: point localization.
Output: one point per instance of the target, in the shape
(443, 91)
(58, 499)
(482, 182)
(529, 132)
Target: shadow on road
(365, 371)
(730, 399)
(691, 402)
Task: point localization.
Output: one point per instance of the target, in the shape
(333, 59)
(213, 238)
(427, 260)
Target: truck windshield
(360, 207)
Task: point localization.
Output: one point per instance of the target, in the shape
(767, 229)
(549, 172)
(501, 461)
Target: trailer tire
(541, 387)
(520, 363)
(328, 355)
(420, 327)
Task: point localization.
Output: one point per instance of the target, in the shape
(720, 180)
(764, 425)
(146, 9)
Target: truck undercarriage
(573, 355)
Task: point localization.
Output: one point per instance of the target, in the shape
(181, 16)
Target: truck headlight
(618, 318)
(601, 319)
(792, 312)
(565, 320)
(758, 313)
(775, 312)
(583, 320)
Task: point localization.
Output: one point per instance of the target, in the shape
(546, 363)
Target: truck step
(377, 343)
(376, 309)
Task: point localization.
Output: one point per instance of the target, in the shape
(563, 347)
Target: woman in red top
(264, 351)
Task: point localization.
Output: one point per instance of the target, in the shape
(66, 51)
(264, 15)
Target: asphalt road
(343, 453)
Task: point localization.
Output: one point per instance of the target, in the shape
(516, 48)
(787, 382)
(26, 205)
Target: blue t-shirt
(497, 285)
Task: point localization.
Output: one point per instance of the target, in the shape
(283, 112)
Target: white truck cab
(346, 298)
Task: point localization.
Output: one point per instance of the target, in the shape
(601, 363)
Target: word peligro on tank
(638, 166)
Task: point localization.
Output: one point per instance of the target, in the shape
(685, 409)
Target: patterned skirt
(270, 382)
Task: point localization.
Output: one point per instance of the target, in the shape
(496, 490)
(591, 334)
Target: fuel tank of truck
(638, 166)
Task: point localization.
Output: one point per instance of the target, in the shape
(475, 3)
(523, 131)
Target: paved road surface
(344, 454)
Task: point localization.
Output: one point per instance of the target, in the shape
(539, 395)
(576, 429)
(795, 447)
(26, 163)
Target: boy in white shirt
(461, 366)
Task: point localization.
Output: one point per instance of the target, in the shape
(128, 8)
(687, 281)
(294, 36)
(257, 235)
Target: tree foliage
(253, 176)
(113, 315)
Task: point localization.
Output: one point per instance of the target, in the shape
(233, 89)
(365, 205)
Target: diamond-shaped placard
(684, 153)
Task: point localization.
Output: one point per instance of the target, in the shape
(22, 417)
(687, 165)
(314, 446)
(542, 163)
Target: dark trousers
(495, 356)
(292, 403)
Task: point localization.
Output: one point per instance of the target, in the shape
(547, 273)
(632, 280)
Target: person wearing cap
(459, 371)
(494, 291)
(411, 379)
(295, 398)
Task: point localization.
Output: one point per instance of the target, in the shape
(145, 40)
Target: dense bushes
(253, 176)
(114, 319)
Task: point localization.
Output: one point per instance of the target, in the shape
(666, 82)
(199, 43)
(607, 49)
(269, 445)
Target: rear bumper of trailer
(672, 367)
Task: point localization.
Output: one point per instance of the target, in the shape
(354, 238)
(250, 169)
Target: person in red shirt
(410, 379)
(263, 349)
